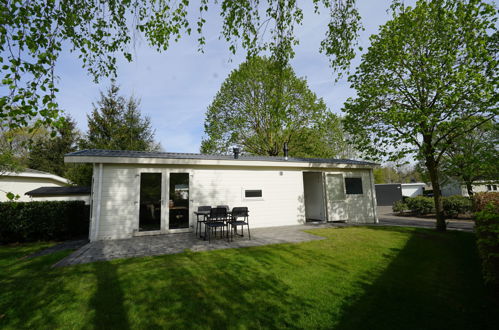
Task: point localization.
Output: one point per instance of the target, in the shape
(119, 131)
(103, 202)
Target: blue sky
(175, 87)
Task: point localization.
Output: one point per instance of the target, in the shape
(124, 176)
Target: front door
(178, 203)
(150, 202)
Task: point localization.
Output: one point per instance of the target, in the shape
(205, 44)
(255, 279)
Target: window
(353, 186)
(494, 187)
(489, 187)
(253, 193)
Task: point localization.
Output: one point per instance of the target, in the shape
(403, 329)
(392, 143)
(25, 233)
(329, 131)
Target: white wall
(20, 185)
(358, 208)
(412, 190)
(282, 202)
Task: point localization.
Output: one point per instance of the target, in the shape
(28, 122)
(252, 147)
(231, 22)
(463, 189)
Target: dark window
(489, 187)
(494, 187)
(353, 186)
(252, 193)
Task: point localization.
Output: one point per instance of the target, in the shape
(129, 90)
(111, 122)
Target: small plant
(399, 207)
(420, 205)
(456, 205)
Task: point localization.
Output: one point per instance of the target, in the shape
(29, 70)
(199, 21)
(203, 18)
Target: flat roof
(59, 191)
(100, 155)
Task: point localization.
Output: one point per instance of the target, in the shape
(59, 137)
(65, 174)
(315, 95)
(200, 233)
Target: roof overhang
(208, 162)
(38, 175)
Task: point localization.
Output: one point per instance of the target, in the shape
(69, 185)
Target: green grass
(357, 278)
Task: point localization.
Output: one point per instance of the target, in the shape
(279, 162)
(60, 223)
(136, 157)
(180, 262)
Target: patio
(176, 243)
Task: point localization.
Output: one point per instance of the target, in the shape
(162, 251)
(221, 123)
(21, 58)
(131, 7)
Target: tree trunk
(432, 167)
(469, 187)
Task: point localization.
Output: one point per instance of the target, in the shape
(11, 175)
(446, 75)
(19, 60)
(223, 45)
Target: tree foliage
(474, 157)
(428, 75)
(47, 154)
(34, 33)
(116, 123)
(261, 106)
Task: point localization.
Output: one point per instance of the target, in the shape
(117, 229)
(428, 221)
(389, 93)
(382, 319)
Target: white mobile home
(22, 182)
(141, 193)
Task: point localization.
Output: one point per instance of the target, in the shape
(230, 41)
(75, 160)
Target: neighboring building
(144, 193)
(413, 189)
(22, 182)
(389, 193)
(60, 194)
(453, 187)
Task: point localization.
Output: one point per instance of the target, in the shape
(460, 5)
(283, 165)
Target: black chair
(201, 218)
(225, 207)
(217, 219)
(239, 217)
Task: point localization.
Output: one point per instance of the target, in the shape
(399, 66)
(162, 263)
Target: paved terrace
(176, 243)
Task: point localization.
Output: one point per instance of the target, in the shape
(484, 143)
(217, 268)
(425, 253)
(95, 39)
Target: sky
(176, 87)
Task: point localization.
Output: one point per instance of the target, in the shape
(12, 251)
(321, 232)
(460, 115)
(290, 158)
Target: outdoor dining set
(223, 220)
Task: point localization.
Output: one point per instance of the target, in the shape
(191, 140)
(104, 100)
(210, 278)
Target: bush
(420, 205)
(40, 221)
(455, 205)
(487, 232)
(484, 198)
(399, 207)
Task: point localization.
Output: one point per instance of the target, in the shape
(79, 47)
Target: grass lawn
(357, 278)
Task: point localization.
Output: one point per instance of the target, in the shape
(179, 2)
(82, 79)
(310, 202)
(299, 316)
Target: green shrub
(483, 199)
(456, 205)
(41, 221)
(399, 207)
(487, 232)
(420, 205)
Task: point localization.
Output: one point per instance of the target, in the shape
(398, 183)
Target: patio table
(206, 214)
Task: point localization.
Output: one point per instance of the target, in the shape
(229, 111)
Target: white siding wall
(282, 202)
(353, 208)
(412, 190)
(21, 185)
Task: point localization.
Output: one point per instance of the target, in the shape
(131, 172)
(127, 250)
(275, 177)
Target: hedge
(487, 232)
(456, 205)
(43, 221)
(482, 199)
(420, 205)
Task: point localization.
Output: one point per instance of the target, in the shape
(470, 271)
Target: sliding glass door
(178, 203)
(150, 201)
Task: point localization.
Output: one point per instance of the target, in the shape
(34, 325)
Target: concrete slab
(177, 243)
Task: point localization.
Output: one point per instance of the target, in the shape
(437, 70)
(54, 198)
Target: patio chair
(225, 207)
(217, 219)
(239, 217)
(201, 218)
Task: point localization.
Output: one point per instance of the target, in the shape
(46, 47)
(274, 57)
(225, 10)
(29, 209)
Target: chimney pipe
(236, 152)
(285, 150)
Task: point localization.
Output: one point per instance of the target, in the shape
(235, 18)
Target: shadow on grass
(434, 282)
(107, 301)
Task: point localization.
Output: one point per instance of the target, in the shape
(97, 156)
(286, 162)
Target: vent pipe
(285, 150)
(236, 152)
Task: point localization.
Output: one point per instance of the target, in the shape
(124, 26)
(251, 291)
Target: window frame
(243, 194)
(361, 186)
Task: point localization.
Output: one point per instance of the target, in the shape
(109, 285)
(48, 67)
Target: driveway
(386, 217)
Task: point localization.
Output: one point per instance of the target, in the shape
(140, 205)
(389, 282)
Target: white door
(335, 195)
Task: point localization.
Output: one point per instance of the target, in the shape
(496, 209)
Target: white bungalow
(22, 182)
(145, 193)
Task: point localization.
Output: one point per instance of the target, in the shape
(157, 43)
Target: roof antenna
(285, 150)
